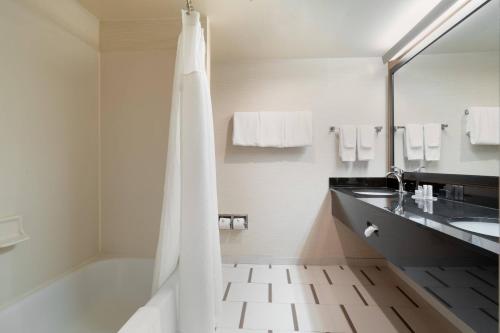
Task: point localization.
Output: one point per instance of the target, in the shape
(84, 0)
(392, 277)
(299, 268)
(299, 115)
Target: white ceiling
(253, 29)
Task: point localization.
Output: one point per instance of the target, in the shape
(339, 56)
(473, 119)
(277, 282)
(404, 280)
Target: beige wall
(48, 147)
(285, 191)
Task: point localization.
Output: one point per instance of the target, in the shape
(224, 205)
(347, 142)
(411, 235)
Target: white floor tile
(310, 275)
(386, 296)
(321, 318)
(380, 276)
(462, 297)
(231, 314)
(339, 294)
(373, 319)
(225, 330)
(248, 292)
(292, 293)
(237, 274)
(266, 275)
(268, 316)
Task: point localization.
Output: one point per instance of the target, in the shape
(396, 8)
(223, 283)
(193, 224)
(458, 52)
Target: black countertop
(431, 214)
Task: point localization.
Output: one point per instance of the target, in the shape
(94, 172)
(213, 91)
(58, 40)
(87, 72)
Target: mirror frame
(393, 67)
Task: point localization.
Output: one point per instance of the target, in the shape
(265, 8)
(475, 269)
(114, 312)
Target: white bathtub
(97, 298)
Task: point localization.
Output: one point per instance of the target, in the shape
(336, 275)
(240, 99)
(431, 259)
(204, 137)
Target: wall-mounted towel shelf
(378, 129)
(443, 127)
(11, 231)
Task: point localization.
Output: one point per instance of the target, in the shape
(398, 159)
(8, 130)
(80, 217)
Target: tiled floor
(283, 299)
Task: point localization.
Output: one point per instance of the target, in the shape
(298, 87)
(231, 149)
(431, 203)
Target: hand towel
(271, 129)
(414, 142)
(366, 142)
(298, 129)
(245, 128)
(144, 320)
(432, 142)
(347, 143)
(482, 125)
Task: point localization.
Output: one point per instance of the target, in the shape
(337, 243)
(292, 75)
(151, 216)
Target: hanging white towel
(298, 129)
(271, 129)
(144, 320)
(432, 142)
(414, 142)
(189, 235)
(347, 143)
(366, 142)
(246, 128)
(483, 125)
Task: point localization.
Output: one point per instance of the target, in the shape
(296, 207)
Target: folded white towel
(432, 142)
(245, 128)
(144, 320)
(271, 129)
(366, 142)
(347, 143)
(482, 125)
(414, 142)
(298, 129)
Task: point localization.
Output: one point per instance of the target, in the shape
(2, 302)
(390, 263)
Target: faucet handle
(397, 170)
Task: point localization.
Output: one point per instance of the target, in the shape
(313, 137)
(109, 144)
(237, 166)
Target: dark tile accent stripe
(227, 291)
(485, 296)
(342, 268)
(327, 277)
(367, 277)
(402, 268)
(441, 268)
(242, 318)
(235, 265)
(407, 296)
(270, 266)
(316, 300)
(438, 297)
(480, 278)
(437, 279)
(378, 268)
(402, 319)
(270, 331)
(488, 314)
(288, 278)
(250, 275)
(360, 295)
(349, 321)
(294, 315)
(270, 293)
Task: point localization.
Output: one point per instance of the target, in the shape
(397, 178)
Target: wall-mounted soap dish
(11, 231)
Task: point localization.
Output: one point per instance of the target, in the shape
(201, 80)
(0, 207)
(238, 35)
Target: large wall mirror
(450, 85)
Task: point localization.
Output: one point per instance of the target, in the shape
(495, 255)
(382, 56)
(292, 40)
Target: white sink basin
(377, 193)
(486, 226)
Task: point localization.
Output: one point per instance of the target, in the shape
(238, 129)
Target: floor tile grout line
(360, 295)
(227, 292)
(407, 296)
(436, 278)
(288, 276)
(327, 277)
(242, 317)
(488, 314)
(294, 317)
(402, 319)
(485, 296)
(348, 318)
(438, 297)
(250, 275)
(313, 290)
(367, 277)
(270, 293)
(480, 278)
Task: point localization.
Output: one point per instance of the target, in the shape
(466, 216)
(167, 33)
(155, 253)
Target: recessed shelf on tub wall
(11, 231)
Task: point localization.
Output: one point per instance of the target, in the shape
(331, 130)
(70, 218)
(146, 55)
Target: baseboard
(273, 260)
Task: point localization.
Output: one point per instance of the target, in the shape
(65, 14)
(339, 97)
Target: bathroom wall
(285, 191)
(438, 88)
(48, 140)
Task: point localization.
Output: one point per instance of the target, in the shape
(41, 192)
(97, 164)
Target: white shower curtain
(189, 235)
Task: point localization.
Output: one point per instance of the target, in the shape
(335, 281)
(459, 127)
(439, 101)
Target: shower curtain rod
(189, 6)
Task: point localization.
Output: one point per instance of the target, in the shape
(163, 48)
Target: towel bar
(443, 127)
(378, 129)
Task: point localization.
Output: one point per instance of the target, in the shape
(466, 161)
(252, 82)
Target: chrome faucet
(398, 173)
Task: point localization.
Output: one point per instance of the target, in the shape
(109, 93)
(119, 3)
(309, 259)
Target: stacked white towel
(145, 320)
(347, 143)
(414, 142)
(483, 125)
(272, 129)
(432, 142)
(366, 142)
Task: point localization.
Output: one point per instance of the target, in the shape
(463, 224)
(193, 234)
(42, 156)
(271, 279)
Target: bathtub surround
(48, 139)
(189, 232)
(284, 191)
